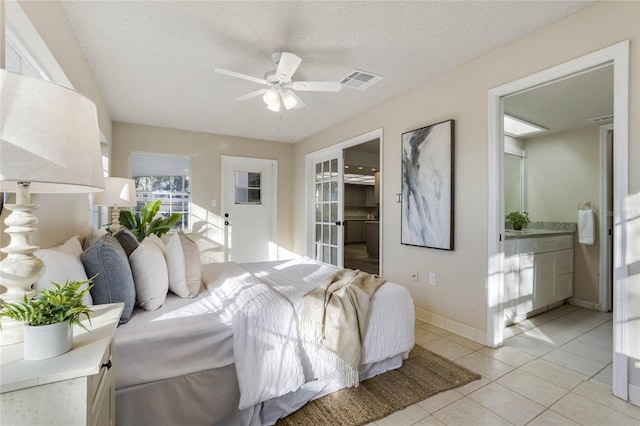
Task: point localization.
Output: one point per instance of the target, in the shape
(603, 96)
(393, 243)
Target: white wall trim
(452, 326)
(515, 151)
(605, 267)
(584, 304)
(617, 54)
(634, 394)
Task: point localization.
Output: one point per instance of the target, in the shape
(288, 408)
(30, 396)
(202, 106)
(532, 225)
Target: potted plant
(518, 220)
(49, 318)
(146, 223)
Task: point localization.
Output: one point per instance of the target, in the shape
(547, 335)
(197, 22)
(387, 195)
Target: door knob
(226, 223)
(338, 223)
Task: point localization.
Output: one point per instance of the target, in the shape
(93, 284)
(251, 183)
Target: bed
(233, 354)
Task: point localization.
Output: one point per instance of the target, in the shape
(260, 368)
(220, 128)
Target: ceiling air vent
(603, 119)
(360, 80)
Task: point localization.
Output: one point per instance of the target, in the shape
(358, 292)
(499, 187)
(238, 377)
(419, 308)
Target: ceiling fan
(281, 85)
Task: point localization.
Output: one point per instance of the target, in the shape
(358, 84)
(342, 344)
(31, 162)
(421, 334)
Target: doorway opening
(362, 206)
(556, 173)
(617, 56)
(340, 219)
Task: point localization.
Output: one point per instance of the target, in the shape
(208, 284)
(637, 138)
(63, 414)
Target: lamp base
(115, 219)
(20, 269)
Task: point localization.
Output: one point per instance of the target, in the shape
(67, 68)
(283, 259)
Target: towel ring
(585, 205)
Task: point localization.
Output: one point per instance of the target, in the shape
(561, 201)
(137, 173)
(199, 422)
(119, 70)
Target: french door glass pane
(326, 207)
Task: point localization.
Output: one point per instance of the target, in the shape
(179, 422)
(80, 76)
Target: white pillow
(183, 262)
(93, 237)
(63, 263)
(150, 275)
(157, 241)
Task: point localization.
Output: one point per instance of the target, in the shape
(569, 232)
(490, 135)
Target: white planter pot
(47, 341)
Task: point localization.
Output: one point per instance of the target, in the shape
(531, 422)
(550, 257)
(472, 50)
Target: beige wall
(563, 170)
(205, 150)
(49, 20)
(461, 94)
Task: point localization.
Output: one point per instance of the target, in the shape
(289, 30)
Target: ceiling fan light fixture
(288, 99)
(271, 97)
(275, 107)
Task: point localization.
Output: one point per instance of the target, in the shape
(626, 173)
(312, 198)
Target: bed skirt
(211, 398)
(203, 398)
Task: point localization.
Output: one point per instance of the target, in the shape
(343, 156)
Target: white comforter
(265, 347)
(264, 301)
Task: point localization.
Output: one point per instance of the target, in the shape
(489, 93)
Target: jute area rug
(422, 375)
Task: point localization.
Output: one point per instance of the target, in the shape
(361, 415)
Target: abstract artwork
(427, 186)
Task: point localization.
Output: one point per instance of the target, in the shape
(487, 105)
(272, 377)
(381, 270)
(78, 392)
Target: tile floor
(554, 369)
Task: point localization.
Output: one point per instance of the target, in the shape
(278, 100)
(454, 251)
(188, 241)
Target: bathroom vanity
(538, 271)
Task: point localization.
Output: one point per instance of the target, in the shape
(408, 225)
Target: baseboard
(455, 327)
(584, 304)
(634, 394)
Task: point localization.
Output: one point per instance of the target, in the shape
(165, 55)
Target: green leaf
(146, 223)
(129, 220)
(62, 302)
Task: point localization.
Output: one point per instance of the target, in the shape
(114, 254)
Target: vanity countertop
(510, 234)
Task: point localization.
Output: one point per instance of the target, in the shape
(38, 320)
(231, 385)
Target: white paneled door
(248, 208)
(328, 223)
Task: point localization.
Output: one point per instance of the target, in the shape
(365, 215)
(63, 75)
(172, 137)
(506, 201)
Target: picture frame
(428, 171)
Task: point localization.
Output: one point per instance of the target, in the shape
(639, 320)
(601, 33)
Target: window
(166, 178)
(19, 60)
(248, 187)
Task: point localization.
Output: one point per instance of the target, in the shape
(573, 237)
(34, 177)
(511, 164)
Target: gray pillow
(127, 240)
(113, 282)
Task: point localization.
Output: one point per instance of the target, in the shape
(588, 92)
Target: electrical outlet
(432, 278)
(414, 277)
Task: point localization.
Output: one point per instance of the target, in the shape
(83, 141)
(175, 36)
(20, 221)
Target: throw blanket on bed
(335, 313)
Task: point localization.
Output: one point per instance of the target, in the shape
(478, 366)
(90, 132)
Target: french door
(328, 229)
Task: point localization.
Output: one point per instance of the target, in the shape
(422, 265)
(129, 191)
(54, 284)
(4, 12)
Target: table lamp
(50, 143)
(118, 192)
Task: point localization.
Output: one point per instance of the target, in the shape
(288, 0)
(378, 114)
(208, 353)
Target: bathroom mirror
(514, 184)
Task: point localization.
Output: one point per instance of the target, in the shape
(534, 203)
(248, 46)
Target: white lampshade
(49, 142)
(117, 192)
(49, 137)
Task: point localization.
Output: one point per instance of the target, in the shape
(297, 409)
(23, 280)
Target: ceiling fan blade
(287, 65)
(299, 104)
(317, 86)
(252, 95)
(242, 76)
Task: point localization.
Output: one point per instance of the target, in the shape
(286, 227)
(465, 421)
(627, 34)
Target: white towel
(586, 227)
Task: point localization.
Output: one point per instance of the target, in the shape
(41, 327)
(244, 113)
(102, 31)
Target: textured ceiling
(154, 60)
(566, 104)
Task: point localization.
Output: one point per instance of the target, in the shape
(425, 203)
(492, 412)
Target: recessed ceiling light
(373, 170)
(517, 128)
(360, 168)
(346, 167)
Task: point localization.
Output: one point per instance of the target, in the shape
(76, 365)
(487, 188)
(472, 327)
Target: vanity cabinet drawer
(545, 244)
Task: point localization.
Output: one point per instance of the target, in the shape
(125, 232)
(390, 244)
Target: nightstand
(76, 388)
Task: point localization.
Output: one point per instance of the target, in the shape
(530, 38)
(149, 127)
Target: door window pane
(248, 187)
